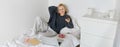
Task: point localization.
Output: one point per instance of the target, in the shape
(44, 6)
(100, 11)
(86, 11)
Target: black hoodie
(57, 22)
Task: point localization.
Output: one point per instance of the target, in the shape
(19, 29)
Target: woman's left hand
(61, 35)
(67, 20)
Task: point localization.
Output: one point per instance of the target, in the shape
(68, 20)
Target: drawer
(95, 41)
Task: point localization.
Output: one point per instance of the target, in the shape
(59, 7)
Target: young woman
(59, 22)
(59, 18)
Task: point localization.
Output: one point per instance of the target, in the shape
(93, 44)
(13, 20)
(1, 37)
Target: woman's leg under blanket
(49, 33)
(42, 27)
(39, 25)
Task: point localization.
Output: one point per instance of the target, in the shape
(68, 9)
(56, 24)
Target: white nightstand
(97, 32)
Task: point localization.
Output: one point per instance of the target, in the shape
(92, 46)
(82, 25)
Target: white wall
(79, 7)
(117, 37)
(18, 15)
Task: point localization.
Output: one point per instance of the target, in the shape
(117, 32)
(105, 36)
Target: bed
(44, 41)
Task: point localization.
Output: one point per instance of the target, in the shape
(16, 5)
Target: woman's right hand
(67, 20)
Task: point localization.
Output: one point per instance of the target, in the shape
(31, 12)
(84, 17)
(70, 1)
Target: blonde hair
(66, 9)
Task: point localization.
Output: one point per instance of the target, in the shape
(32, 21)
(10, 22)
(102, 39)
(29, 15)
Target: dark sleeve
(70, 24)
(52, 10)
(53, 13)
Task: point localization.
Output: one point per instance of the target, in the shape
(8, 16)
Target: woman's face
(61, 10)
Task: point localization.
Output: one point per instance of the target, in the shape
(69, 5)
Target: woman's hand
(67, 20)
(61, 35)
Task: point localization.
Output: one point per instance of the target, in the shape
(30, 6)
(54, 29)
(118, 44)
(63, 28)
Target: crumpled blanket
(19, 42)
(14, 44)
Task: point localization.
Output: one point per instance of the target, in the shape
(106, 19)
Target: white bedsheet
(18, 44)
